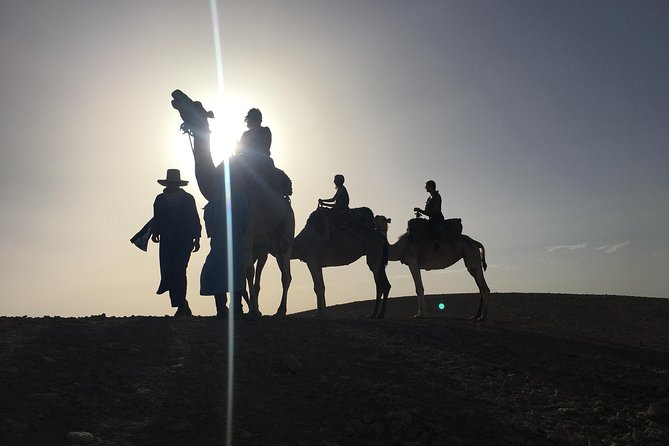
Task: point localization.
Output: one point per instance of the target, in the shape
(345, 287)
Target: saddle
(259, 170)
(351, 220)
(424, 229)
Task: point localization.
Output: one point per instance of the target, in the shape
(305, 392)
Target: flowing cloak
(141, 239)
(176, 221)
(214, 277)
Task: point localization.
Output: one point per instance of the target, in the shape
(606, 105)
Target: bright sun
(226, 128)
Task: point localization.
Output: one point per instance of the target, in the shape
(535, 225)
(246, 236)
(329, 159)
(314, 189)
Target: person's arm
(329, 202)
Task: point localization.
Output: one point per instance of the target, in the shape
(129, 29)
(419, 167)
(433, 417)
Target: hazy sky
(544, 124)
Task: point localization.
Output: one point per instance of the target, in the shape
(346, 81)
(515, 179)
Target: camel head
(381, 224)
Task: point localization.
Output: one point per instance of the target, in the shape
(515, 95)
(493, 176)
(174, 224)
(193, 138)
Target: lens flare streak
(228, 221)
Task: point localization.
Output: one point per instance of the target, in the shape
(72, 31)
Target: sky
(543, 123)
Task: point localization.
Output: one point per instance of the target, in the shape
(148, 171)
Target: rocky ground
(545, 369)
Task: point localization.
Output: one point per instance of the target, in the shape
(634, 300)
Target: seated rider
(257, 139)
(432, 210)
(336, 205)
(254, 148)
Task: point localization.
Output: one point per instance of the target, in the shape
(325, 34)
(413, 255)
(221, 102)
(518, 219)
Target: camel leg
(420, 291)
(382, 289)
(283, 262)
(477, 273)
(484, 291)
(319, 288)
(386, 291)
(379, 295)
(260, 264)
(254, 311)
(475, 266)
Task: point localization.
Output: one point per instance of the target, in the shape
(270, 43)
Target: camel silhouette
(420, 254)
(343, 247)
(271, 221)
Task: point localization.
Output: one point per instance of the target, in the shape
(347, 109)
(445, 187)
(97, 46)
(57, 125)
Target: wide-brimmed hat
(173, 178)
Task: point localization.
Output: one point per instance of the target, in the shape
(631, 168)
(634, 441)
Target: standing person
(176, 226)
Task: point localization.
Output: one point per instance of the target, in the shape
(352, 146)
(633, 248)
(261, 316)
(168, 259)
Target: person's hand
(416, 209)
(320, 202)
(196, 245)
(155, 238)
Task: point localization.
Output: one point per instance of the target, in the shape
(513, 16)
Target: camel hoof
(281, 312)
(254, 315)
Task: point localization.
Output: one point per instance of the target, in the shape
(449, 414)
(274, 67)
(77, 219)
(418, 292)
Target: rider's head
(253, 118)
(339, 180)
(430, 186)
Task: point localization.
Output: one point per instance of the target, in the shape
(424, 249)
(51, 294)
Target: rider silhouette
(335, 206)
(432, 211)
(257, 139)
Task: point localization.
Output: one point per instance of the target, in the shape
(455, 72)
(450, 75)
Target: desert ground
(544, 369)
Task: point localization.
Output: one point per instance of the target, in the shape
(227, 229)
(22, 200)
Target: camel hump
(258, 170)
(449, 229)
(356, 219)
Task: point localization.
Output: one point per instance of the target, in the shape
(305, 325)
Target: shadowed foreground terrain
(545, 369)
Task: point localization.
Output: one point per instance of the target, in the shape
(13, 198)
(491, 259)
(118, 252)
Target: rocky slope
(545, 369)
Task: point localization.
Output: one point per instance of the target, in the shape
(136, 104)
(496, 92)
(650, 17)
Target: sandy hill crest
(546, 369)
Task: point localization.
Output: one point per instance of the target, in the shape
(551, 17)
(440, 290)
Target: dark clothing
(339, 203)
(341, 199)
(433, 207)
(214, 278)
(256, 140)
(435, 217)
(141, 239)
(176, 221)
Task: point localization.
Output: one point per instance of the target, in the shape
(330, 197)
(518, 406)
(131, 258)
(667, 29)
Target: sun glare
(226, 128)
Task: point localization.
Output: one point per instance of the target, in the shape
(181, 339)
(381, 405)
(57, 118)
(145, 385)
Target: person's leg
(179, 286)
(221, 307)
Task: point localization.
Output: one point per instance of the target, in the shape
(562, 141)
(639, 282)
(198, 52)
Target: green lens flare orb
(441, 305)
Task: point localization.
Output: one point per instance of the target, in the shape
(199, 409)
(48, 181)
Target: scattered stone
(659, 409)
(80, 437)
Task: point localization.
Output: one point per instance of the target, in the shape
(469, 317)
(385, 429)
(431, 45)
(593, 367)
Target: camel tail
(480, 246)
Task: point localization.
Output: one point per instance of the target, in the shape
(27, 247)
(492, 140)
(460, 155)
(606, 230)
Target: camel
(271, 222)
(342, 247)
(426, 255)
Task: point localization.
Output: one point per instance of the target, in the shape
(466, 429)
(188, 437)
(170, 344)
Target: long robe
(176, 221)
